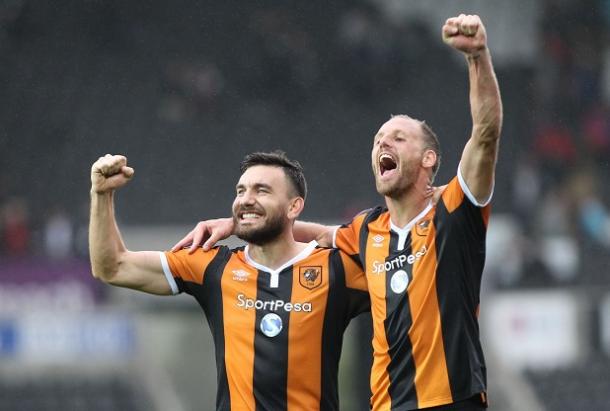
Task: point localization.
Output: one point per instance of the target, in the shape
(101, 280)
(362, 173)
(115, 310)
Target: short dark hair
(277, 158)
(430, 141)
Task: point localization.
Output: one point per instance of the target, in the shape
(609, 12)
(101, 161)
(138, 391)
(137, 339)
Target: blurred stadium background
(186, 88)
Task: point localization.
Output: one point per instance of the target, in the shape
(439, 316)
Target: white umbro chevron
(240, 275)
(378, 240)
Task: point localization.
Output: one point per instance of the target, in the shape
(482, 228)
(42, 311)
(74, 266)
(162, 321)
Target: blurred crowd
(57, 235)
(556, 224)
(153, 80)
(559, 196)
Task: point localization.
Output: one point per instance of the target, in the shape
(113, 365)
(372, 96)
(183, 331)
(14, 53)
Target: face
(262, 206)
(397, 156)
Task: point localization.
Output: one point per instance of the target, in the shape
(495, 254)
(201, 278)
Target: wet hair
(277, 158)
(430, 141)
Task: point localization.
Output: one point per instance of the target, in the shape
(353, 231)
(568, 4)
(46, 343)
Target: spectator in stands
(15, 225)
(58, 235)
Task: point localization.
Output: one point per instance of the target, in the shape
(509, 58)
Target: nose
(383, 141)
(248, 198)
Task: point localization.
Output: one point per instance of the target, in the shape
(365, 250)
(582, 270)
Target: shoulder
(370, 214)
(336, 256)
(438, 192)
(366, 213)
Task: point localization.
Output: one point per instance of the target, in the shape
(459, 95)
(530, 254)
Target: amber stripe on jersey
(296, 368)
(380, 379)
(239, 374)
(304, 358)
(460, 328)
(426, 333)
(347, 236)
(208, 294)
(426, 338)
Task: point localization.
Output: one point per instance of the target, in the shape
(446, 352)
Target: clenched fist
(465, 33)
(109, 173)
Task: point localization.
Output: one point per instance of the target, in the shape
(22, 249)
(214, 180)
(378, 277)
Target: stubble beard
(399, 187)
(274, 226)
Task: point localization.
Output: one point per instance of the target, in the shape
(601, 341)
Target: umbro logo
(240, 275)
(378, 240)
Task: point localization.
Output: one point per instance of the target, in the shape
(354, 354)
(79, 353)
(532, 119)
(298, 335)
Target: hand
(434, 192)
(437, 192)
(429, 191)
(210, 231)
(465, 33)
(109, 173)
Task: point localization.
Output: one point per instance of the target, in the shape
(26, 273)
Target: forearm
(305, 232)
(485, 101)
(105, 243)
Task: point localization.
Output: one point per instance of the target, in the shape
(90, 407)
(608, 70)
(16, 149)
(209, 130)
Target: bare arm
(477, 166)
(206, 233)
(111, 262)
(306, 232)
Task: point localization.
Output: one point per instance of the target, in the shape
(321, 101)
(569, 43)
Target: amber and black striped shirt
(277, 333)
(424, 281)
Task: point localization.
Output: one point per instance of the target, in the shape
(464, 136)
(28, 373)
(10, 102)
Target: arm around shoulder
(322, 234)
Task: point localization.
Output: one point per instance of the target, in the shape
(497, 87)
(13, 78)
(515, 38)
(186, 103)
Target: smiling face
(264, 204)
(398, 156)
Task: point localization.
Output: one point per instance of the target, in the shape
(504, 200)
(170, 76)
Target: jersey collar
(404, 231)
(275, 273)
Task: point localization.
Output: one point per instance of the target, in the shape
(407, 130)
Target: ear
(429, 159)
(295, 207)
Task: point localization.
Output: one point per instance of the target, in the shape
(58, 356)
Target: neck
(408, 205)
(277, 252)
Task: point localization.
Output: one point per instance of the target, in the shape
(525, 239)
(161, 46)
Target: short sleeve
(454, 197)
(356, 284)
(182, 268)
(469, 194)
(347, 237)
(355, 277)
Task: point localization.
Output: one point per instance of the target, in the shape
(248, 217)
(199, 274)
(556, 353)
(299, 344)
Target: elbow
(497, 125)
(104, 273)
(488, 133)
(105, 270)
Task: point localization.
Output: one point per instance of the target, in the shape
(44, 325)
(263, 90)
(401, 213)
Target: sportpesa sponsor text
(380, 267)
(273, 305)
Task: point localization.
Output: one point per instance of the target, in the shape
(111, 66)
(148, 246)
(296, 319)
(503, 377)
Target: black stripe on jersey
(336, 318)
(363, 236)
(209, 296)
(458, 296)
(271, 353)
(401, 369)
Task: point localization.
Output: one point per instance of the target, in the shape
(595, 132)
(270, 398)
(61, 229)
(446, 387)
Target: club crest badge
(310, 277)
(423, 227)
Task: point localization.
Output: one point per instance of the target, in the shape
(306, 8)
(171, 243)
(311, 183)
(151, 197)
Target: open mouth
(249, 216)
(386, 163)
